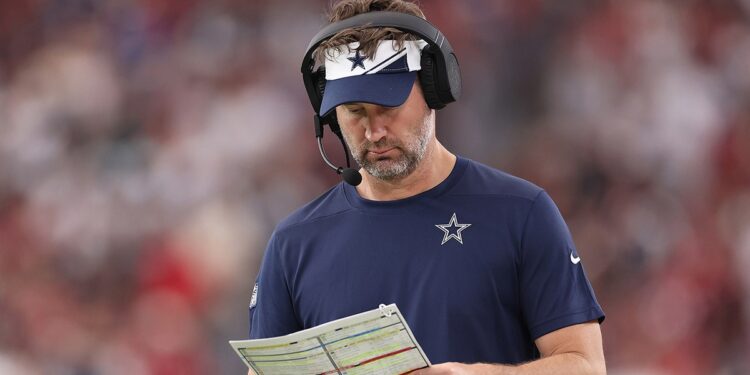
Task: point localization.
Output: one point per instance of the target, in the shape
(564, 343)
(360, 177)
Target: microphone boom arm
(325, 157)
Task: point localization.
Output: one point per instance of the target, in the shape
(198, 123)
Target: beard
(410, 152)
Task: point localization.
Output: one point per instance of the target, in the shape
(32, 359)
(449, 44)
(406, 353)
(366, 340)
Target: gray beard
(401, 166)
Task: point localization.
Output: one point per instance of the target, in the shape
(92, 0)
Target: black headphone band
(402, 21)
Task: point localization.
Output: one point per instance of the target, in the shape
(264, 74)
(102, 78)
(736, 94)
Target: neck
(435, 167)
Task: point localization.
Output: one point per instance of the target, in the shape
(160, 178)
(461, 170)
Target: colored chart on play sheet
(375, 342)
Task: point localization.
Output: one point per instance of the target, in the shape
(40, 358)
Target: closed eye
(354, 110)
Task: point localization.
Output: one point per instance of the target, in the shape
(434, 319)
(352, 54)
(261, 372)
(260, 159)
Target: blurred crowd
(148, 148)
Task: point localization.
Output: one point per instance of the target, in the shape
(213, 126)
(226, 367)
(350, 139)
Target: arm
(576, 349)
(271, 310)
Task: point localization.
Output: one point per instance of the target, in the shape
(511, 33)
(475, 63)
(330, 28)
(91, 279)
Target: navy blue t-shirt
(480, 266)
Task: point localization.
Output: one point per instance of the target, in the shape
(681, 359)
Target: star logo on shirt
(452, 230)
(357, 60)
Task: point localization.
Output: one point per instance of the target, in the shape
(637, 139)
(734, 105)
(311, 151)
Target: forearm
(561, 364)
(558, 364)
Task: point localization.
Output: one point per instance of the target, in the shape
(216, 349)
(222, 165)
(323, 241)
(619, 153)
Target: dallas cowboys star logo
(357, 60)
(446, 228)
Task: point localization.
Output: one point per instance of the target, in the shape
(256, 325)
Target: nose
(376, 125)
(375, 131)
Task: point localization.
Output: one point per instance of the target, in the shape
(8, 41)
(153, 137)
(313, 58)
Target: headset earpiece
(331, 119)
(447, 78)
(320, 82)
(428, 79)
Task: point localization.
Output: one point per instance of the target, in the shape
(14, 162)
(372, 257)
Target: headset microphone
(351, 176)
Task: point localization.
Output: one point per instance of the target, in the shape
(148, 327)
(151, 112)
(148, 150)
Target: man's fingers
(432, 370)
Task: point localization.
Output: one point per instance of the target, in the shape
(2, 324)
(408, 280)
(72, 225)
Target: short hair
(368, 37)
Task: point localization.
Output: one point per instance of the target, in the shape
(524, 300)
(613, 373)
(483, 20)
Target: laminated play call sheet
(378, 341)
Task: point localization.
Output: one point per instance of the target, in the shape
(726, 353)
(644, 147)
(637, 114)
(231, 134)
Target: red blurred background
(147, 149)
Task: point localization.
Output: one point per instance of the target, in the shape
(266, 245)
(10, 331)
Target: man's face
(389, 143)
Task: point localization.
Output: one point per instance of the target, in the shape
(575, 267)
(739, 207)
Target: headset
(439, 76)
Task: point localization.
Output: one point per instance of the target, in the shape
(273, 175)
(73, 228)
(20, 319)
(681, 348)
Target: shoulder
(480, 179)
(329, 204)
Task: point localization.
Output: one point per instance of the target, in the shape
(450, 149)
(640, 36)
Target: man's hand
(453, 368)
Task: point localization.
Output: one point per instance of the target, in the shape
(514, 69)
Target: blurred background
(149, 147)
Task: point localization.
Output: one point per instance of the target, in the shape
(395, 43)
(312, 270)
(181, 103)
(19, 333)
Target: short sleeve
(555, 292)
(271, 311)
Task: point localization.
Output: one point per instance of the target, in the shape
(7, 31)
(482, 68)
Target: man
(480, 263)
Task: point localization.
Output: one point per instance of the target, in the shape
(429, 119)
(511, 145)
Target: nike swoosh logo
(573, 259)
